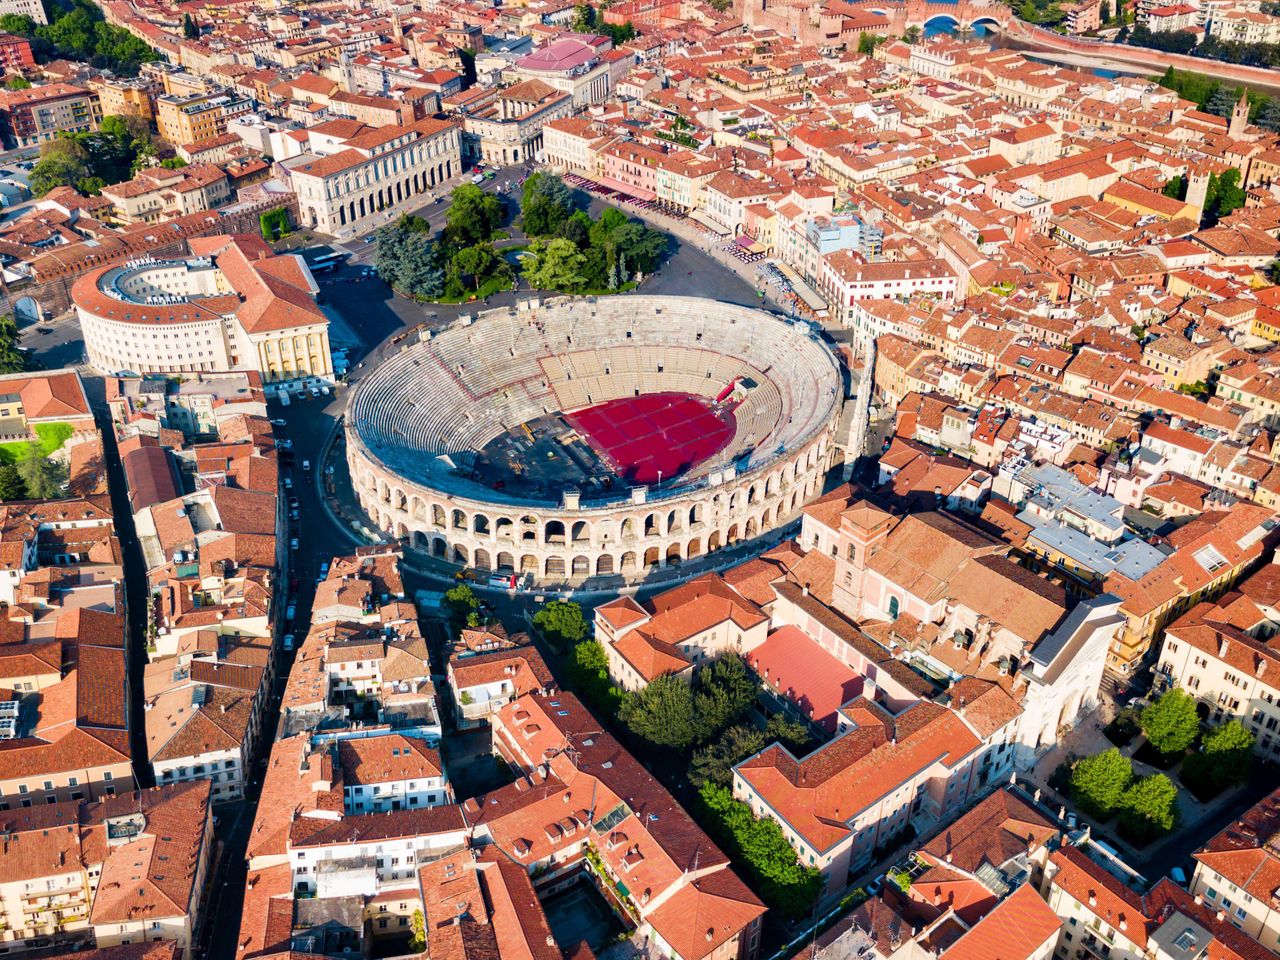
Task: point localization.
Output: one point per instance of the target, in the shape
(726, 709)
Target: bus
(326, 262)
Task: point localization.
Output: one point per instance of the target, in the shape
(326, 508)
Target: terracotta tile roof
(790, 662)
(1016, 929)
(994, 832)
(387, 758)
(706, 913)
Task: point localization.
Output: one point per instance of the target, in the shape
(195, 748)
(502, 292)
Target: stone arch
(419, 508)
(505, 561)
(420, 540)
(628, 528)
(604, 532)
(713, 541)
(651, 557)
(694, 549)
(529, 563)
(628, 564)
(438, 547)
(504, 529)
(580, 532)
(766, 522)
(695, 514)
(461, 554)
(673, 521)
(481, 559)
(651, 525)
(604, 565)
(673, 552)
(459, 520)
(553, 532)
(581, 566)
(480, 525)
(751, 528)
(777, 514)
(528, 529)
(402, 532)
(554, 567)
(752, 495)
(437, 515)
(732, 535)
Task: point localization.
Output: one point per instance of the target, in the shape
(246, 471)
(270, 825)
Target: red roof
(1014, 930)
(795, 665)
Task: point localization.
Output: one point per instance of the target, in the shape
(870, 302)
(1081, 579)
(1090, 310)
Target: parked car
(315, 391)
(284, 444)
(290, 613)
(278, 422)
(875, 885)
(306, 464)
(1178, 876)
(293, 502)
(293, 544)
(324, 570)
(288, 641)
(288, 483)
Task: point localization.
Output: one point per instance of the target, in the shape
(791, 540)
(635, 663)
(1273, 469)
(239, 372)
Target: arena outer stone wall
(413, 422)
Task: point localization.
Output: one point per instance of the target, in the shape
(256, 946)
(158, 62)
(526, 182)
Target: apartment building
(1210, 554)
(122, 97)
(120, 870)
(39, 114)
(676, 630)
(15, 53)
(483, 683)
(391, 772)
(1235, 870)
(1224, 653)
(508, 128)
(191, 118)
(157, 194)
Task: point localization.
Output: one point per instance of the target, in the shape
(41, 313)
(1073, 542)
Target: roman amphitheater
(579, 438)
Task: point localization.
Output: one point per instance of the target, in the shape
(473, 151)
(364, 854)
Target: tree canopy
(561, 622)
(545, 204)
(472, 217)
(79, 32)
(1098, 783)
(1171, 722)
(43, 478)
(1149, 808)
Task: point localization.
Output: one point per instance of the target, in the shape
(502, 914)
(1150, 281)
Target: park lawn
(50, 437)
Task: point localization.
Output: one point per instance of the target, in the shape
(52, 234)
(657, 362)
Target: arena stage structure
(578, 438)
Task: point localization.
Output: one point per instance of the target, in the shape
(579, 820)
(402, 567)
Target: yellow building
(191, 119)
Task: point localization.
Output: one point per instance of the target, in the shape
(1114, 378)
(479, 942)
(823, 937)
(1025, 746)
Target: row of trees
(585, 20)
(1210, 48)
(1104, 785)
(571, 253)
(695, 732)
(1213, 96)
(77, 31)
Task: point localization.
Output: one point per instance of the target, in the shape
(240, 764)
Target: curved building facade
(416, 426)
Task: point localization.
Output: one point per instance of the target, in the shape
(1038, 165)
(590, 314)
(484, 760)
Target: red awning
(638, 192)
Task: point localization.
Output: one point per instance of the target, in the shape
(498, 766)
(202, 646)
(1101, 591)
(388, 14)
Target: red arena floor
(655, 434)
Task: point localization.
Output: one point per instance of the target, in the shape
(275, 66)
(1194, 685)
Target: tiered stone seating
(459, 390)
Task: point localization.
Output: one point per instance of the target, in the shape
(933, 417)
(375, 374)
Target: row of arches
(789, 488)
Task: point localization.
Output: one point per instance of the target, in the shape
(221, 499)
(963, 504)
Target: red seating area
(657, 433)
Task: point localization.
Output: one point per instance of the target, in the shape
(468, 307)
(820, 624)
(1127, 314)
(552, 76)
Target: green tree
(783, 882)
(555, 265)
(460, 603)
(1176, 189)
(418, 924)
(12, 360)
(478, 263)
(1225, 760)
(12, 486)
(63, 162)
(1149, 808)
(44, 478)
(545, 204)
(1268, 117)
(913, 34)
(724, 691)
(588, 674)
(1104, 12)
(562, 623)
(173, 163)
(17, 82)
(662, 713)
(868, 42)
(189, 29)
(1223, 101)
(584, 18)
(1171, 722)
(791, 734)
(1099, 782)
(713, 763)
(1224, 196)
(473, 215)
